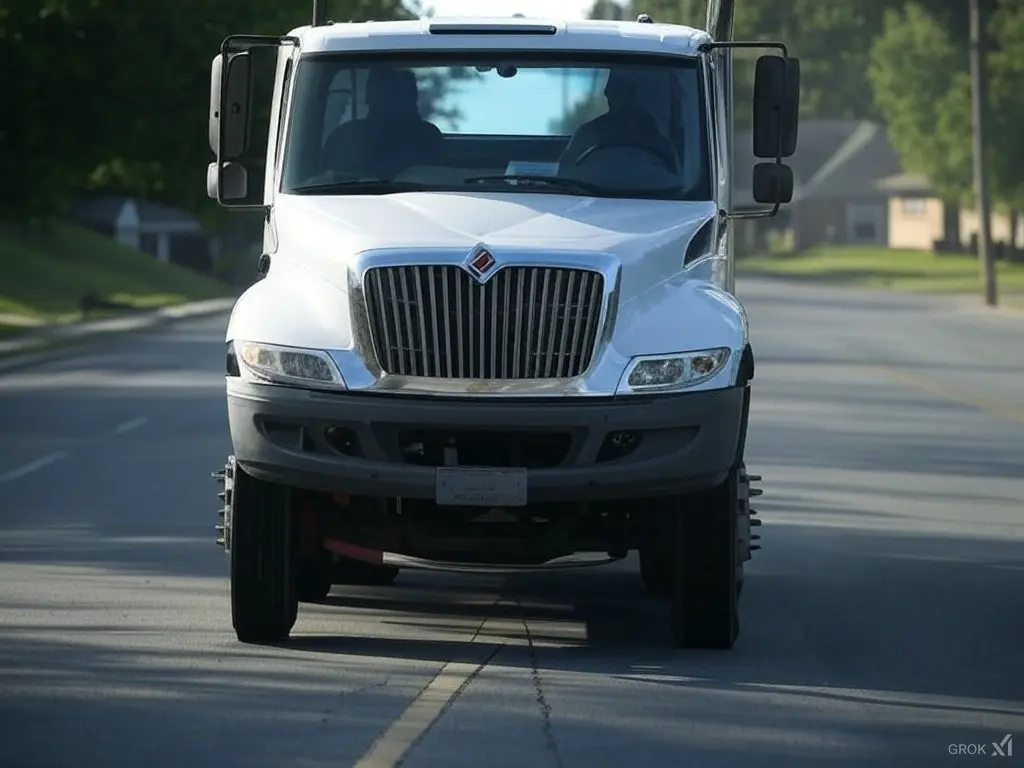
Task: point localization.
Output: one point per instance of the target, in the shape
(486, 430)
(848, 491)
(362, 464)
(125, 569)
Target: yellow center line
(401, 736)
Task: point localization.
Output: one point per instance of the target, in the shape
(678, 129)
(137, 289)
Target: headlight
(287, 365)
(670, 372)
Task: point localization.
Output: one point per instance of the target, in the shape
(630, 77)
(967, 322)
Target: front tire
(705, 588)
(264, 600)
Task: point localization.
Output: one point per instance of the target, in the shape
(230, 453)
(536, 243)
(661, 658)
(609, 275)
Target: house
(919, 220)
(836, 168)
(167, 233)
(850, 188)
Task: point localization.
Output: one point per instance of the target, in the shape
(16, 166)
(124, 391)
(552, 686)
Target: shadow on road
(842, 631)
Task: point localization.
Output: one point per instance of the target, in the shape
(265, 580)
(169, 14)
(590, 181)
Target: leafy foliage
(921, 78)
(112, 95)
(920, 107)
(904, 63)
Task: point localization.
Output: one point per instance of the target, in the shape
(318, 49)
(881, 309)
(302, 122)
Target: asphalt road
(882, 621)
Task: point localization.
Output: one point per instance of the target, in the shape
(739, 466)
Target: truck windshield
(631, 128)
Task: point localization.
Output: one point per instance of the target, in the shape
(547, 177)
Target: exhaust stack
(319, 13)
(720, 20)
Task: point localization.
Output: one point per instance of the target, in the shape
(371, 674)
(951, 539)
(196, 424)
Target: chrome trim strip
(581, 560)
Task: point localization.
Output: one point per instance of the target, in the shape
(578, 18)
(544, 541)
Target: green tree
(921, 78)
(1006, 102)
(923, 93)
(111, 95)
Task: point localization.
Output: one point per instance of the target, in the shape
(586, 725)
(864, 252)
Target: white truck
(481, 339)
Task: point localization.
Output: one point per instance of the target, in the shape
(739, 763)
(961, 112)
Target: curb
(40, 346)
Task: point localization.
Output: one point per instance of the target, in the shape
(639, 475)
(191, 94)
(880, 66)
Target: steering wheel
(668, 159)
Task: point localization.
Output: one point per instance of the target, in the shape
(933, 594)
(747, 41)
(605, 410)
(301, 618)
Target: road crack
(405, 750)
(545, 708)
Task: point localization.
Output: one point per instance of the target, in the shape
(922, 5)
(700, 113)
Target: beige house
(918, 219)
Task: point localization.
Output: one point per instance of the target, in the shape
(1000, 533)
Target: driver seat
(625, 123)
(392, 137)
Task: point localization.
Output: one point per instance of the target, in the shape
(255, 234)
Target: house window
(865, 223)
(913, 206)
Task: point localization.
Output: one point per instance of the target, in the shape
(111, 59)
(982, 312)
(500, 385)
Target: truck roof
(502, 33)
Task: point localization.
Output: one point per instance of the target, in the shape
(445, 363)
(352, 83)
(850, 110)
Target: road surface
(882, 621)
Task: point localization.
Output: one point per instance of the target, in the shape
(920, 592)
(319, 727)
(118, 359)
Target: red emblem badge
(481, 263)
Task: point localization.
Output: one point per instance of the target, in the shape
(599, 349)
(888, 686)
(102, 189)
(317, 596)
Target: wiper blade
(530, 179)
(359, 186)
(572, 185)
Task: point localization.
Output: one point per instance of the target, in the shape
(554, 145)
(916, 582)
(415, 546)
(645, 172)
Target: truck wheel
(264, 601)
(347, 570)
(313, 577)
(705, 593)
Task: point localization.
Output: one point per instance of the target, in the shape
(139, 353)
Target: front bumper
(688, 441)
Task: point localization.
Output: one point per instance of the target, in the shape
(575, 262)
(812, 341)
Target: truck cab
(495, 325)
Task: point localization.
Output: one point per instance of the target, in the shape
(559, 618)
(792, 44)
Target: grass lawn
(44, 275)
(915, 271)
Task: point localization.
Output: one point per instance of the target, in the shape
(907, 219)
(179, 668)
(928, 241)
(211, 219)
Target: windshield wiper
(572, 185)
(359, 187)
(530, 179)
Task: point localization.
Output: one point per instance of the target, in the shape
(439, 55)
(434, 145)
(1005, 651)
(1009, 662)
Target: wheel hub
(747, 518)
(225, 477)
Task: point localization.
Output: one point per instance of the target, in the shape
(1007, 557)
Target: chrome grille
(524, 323)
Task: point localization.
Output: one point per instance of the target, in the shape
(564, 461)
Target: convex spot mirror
(773, 183)
(229, 182)
(776, 106)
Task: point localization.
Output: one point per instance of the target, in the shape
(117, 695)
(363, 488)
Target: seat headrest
(391, 90)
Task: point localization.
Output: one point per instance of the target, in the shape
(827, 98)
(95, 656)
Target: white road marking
(129, 425)
(33, 466)
(51, 458)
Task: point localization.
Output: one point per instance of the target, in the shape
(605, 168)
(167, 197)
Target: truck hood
(648, 237)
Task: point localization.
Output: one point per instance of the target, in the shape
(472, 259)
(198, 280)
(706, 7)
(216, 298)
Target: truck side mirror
(776, 106)
(216, 70)
(228, 182)
(230, 97)
(773, 183)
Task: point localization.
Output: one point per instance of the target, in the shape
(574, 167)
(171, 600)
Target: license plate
(480, 487)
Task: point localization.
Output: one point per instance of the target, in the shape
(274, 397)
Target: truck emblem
(481, 262)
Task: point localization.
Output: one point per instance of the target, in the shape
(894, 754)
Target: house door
(865, 223)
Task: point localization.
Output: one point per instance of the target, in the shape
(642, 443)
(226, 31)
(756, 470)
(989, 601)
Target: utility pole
(979, 103)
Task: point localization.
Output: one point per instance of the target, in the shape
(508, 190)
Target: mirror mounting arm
(243, 43)
(783, 49)
(708, 47)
